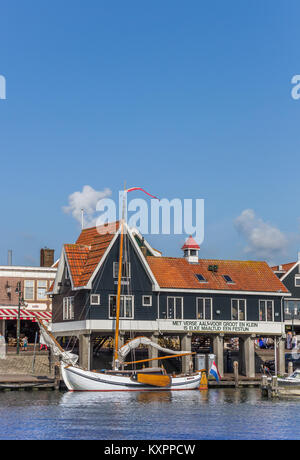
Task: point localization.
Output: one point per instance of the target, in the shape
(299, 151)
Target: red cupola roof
(190, 244)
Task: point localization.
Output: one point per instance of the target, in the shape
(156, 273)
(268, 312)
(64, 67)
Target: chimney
(9, 258)
(47, 257)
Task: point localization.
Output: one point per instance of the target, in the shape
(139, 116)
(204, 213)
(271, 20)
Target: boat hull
(77, 379)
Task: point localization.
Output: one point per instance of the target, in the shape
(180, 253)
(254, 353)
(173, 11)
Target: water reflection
(213, 397)
(145, 397)
(212, 414)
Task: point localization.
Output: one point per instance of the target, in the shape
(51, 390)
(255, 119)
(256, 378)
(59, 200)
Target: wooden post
(290, 368)
(57, 376)
(236, 373)
(264, 385)
(274, 386)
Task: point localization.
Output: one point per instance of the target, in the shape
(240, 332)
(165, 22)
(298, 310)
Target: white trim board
(212, 291)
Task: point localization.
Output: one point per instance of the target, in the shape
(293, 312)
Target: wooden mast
(116, 345)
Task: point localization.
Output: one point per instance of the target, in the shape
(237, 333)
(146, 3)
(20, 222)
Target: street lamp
(21, 301)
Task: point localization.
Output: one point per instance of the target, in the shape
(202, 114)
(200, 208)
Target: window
(228, 279)
(201, 278)
(29, 290)
(95, 299)
(126, 306)
(204, 308)
(68, 308)
(292, 309)
(266, 310)
(147, 300)
(238, 310)
(41, 290)
(297, 281)
(175, 308)
(126, 270)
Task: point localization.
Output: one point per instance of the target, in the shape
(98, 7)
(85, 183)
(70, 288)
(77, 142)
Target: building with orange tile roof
(187, 297)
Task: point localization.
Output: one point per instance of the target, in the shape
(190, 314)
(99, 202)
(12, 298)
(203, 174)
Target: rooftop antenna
(82, 219)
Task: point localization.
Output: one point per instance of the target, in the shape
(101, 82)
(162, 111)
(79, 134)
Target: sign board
(251, 327)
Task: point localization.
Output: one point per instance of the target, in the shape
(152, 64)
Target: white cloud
(264, 240)
(86, 200)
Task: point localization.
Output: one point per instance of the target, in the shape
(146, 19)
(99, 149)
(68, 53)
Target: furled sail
(135, 343)
(47, 339)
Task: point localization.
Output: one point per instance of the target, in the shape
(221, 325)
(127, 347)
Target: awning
(12, 313)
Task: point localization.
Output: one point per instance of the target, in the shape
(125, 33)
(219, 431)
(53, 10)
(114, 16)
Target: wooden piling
(236, 373)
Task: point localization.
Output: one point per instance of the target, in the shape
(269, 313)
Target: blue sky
(187, 99)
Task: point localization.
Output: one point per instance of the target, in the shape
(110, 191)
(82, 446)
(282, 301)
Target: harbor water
(190, 415)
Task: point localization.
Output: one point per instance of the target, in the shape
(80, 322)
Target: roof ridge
(100, 226)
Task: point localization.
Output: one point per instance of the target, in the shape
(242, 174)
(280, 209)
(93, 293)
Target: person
(2, 347)
(261, 343)
(294, 342)
(289, 340)
(43, 346)
(25, 343)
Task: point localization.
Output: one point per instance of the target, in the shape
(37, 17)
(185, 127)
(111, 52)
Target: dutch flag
(214, 372)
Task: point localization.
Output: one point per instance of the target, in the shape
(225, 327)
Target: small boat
(292, 380)
(152, 379)
(119, 378)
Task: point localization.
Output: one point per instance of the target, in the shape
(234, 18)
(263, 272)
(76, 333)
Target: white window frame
(147, 304)
(201, 281)
(95, 302)
(297, 277)
(116, 270)
(228, 282)
(203, 307)
(266, 310)
(175, 297)
(122, 296)
(45, 287)
(29, 287)
(238, 300)
(68, 308)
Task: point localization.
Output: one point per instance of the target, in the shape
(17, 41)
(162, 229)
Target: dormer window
(228, 279)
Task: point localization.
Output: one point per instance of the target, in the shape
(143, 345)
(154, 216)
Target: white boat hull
(77, 379)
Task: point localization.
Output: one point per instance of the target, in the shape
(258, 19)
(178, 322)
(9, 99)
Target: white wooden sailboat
(120, 379)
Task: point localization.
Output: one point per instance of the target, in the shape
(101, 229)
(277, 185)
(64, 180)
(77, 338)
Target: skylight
(201, 278)
(228, 279)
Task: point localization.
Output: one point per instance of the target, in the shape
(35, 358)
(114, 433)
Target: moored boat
(292, 380)
(121, 378)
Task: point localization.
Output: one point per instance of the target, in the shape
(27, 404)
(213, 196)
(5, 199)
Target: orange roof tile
(77, 255)
(178, 273)
(285, 267)
(84, 256)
